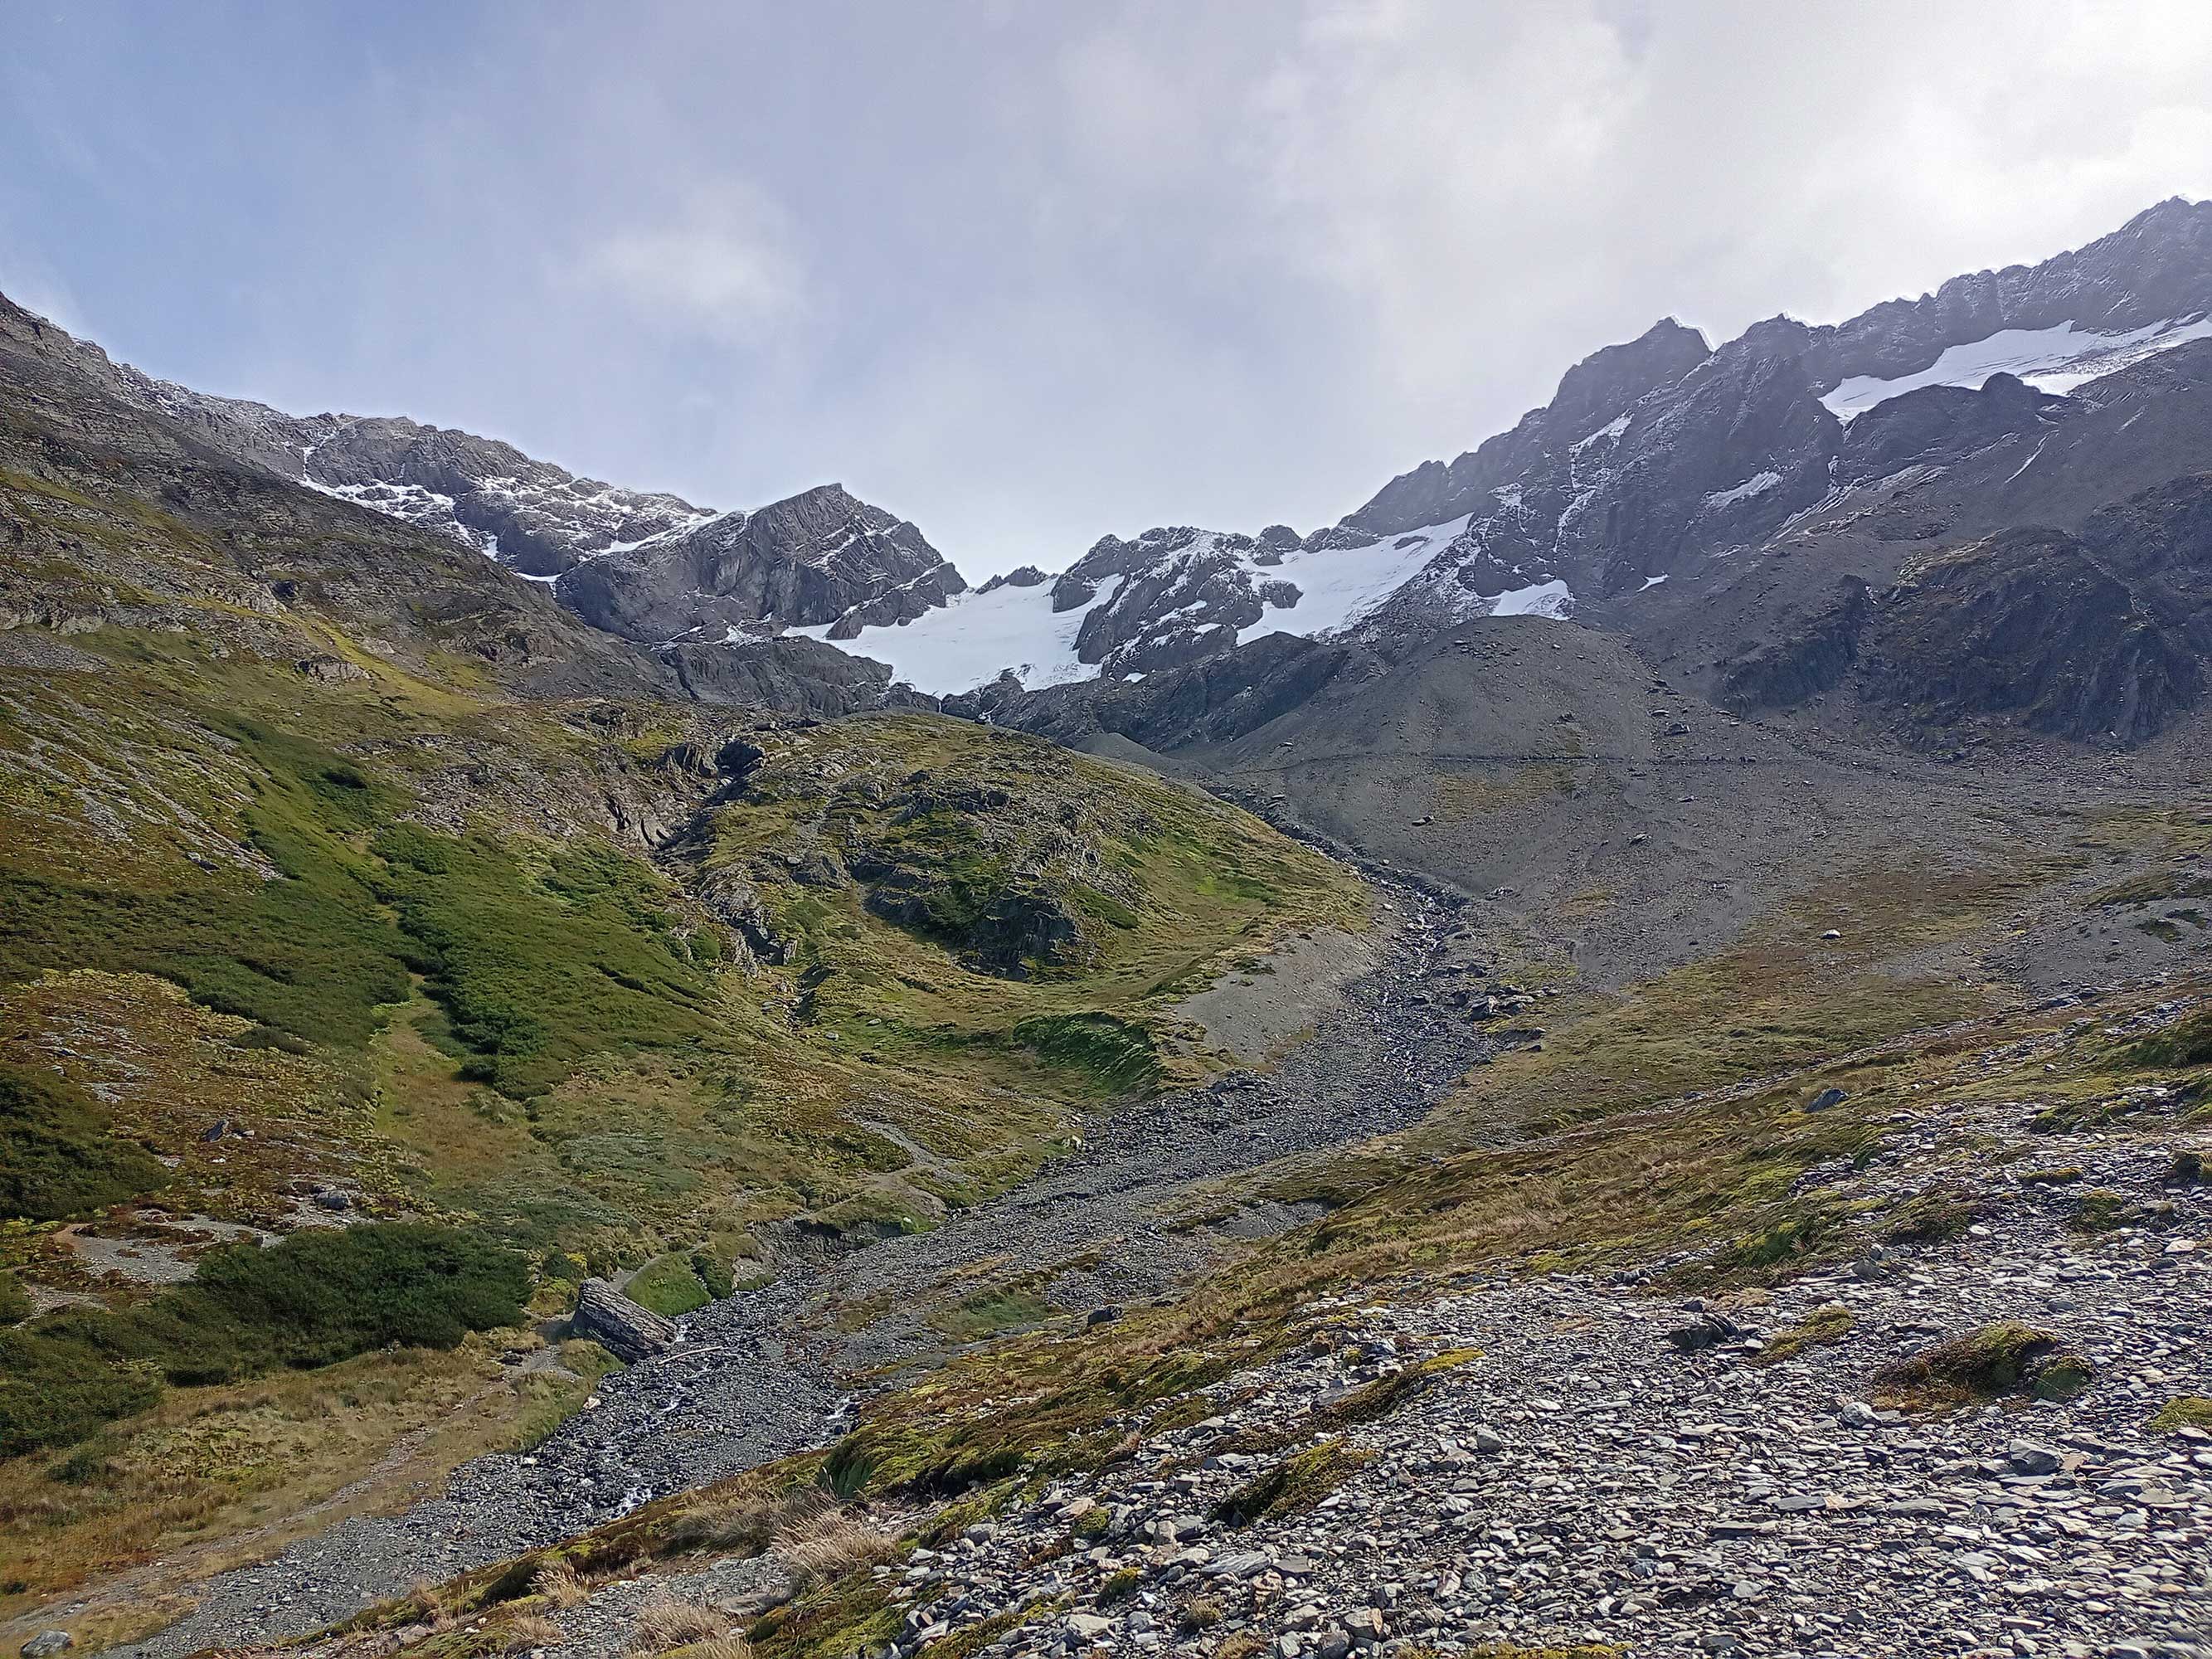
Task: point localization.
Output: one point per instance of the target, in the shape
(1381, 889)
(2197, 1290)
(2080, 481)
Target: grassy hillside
(342, 880)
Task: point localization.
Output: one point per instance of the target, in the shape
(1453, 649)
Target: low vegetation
(58, 1159)
(2190, 1412)
(1990, 1364)
(1297, 1482)
(1822, 1326)
(312, 1299)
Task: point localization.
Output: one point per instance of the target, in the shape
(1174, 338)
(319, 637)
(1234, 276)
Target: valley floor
(760, 1376)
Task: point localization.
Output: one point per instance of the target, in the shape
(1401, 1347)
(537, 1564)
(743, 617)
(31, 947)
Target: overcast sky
(1023, 272)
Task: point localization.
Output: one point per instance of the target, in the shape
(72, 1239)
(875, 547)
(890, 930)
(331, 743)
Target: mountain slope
(651, 566)
(1661, 460)
(346, 879)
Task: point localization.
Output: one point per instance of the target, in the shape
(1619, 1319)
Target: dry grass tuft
(560, 1584)
(665, 1623)
(530, 1630)
(833, 1543)
(748, 1524)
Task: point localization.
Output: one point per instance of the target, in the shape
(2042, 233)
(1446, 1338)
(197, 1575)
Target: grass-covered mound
(1059, 886)
(58, 1159)
(540, 953)
(310, 1300)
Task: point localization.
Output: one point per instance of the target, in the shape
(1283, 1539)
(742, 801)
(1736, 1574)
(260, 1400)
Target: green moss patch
(1296, 1483)
(1989, 1363)
(312, 1299)
(2190, 1412)
(57, 1157)
(1822, 1326)
(670, 1285)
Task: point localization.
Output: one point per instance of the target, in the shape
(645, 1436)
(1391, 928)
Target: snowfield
(969, 642)
(2057, 359)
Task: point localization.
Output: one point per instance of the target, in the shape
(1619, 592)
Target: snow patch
(1650, 582)
(1758, 484)
(2057, 359)
(966, 643)
(1610, 433)
(1338, 587)
(1553, 598)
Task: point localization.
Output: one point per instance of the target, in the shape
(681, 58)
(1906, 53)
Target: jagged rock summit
(1716, 505)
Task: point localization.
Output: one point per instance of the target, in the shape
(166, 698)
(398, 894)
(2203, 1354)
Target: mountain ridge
(1655, 458)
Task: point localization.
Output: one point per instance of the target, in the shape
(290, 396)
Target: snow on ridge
(967, 641)
(1552, 599)
(2058, 359)
(1758, 484)
(1607, 434)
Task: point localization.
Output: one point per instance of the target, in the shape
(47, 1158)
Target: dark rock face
(1594, 394)
(624, 1329)
(1183, 595)
(1214, 700)
(2098, 638)
(1798, 668)
(2025, 625)
(819, 557)
(791, 675)
(1938, 424)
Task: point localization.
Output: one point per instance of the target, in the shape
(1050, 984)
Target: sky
(1030, 273)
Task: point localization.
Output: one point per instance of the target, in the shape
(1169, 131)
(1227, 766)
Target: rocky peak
(819, 558)
(2156, 267)
(1613, 379)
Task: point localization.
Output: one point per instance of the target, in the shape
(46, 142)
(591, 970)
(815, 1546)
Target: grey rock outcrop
(621, 1326)
(820, 556)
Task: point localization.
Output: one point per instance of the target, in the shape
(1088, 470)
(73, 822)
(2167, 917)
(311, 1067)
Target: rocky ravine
(755, 1376)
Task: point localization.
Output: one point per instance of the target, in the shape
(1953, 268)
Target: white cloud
(1025, 274)
(725, 267)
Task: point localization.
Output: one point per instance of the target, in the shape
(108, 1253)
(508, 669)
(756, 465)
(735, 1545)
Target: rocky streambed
(755, 1376)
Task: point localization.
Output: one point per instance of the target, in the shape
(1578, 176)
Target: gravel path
(754, 1377)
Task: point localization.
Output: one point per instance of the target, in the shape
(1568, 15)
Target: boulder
(47, 1642)
(624, 1328)
(1709, 1330)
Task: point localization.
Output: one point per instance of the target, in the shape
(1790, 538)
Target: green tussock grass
(58, 1156)
(1295, 1484)
(311, 1300)
(1821, 1327)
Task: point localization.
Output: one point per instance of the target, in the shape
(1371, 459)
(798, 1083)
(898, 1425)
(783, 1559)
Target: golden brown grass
(831, 1544)
(666, 1622)
(214, 1475)
(560, 1584)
